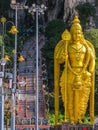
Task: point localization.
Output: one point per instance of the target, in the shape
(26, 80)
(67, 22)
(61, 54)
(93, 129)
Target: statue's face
(76, 35)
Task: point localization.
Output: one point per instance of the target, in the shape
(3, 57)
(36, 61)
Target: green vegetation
(51, 117)
(53, 34)
(4, 7)
(7, 113)
(92, 36)
(85, 10)
(0, 40)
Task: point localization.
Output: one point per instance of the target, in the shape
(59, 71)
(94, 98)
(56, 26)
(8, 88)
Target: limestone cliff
(55, 7)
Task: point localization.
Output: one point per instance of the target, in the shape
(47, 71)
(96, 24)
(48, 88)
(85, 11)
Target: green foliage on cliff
(53, 35)
(85, 10)
(4, 6)
(92, 36)
(51, 118)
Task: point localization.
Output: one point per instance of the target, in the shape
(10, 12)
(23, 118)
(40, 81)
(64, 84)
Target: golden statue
(76, 81)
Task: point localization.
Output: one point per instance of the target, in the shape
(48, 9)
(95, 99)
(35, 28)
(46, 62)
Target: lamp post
(3, 21)
(38, 10)
(2, 63)
(14, 31)
(14, 90)
(9, 76)
(2, 73)
(15, 6)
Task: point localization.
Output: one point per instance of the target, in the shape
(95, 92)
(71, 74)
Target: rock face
(64, 9)
(69, 8)
(55, 7)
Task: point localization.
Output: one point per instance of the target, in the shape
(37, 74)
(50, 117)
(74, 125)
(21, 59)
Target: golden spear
(66, 36)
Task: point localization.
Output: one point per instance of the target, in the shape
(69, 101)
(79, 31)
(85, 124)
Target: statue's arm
(61, 59)
(92, 62)
(92, 56)
(60, 52)
(92, 70)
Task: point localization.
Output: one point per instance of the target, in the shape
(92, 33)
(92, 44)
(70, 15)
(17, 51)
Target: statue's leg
(70, 103)
(81, 106)
(83, 101)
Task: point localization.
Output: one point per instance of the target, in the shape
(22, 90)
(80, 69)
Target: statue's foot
(65, 120)
(72, 122)
(80, 122)
(58, 123)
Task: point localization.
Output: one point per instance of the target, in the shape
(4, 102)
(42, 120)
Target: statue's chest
(77, 52)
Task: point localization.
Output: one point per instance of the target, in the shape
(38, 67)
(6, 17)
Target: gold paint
(13, 51)
(13, 30)
(21, 58)
(7, 58)
(77, 79)
(3, 20)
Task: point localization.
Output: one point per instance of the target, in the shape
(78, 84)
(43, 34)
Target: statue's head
(76, 29)
(76, 25)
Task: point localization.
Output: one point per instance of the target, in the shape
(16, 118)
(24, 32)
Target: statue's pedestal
(68, 126)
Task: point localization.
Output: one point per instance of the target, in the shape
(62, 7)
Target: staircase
(26, 102)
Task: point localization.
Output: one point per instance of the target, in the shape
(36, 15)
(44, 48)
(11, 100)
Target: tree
(85, 10)
(53, 35)
(92, 35)
(4, 7)
(7, 113)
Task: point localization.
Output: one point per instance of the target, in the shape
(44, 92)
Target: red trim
(84, 128)
(32, 126)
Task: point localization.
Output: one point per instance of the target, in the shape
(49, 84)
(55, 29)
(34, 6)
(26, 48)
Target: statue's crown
(76, 20)
(75, 24)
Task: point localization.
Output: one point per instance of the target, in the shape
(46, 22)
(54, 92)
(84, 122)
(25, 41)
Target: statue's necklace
(84, 67)
(78, 52)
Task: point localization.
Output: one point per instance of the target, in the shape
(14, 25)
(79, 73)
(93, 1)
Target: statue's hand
(77, 82)
(64, 56)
